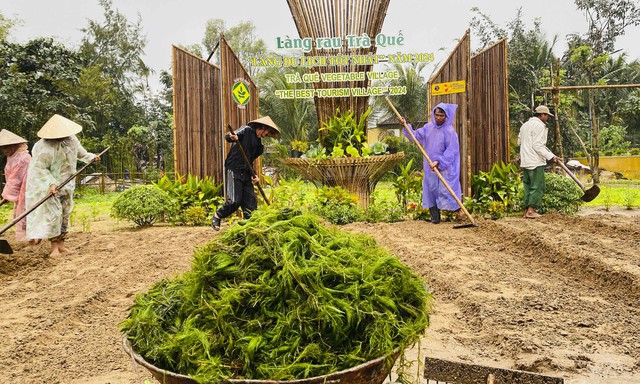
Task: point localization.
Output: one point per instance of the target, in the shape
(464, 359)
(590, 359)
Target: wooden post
(556, 102)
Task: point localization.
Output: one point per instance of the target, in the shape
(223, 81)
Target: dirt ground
(558, 295)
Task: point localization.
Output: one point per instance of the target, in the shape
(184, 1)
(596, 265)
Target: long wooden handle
(248, 163)
(437, 172)
(48, 195)
(563, 166)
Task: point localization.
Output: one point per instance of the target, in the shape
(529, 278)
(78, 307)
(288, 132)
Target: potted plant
(393, 143)
(344, 135)
(298, 148)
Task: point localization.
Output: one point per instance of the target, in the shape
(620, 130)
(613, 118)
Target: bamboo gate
(482, 121)
(339, 18)
(203, 105)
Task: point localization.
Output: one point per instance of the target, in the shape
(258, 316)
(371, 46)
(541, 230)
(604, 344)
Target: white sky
(426, 26)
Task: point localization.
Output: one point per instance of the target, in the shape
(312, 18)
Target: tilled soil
(558, 296)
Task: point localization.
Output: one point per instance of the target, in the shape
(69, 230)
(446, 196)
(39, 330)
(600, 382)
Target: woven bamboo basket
(371, 372)
(358, 175)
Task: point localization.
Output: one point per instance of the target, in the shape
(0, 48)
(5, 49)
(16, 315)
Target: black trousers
(240, 194)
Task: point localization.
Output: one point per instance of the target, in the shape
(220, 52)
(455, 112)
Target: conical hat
(8, 138)
(58, 127)
(266, 121)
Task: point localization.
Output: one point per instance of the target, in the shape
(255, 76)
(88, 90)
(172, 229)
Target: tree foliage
(607, 20)
(242, 39)
(413, 104)
(5, 27)
(40, 80)
(296, 117)
(588, 61)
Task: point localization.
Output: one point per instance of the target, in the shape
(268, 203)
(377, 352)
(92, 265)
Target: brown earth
(558, 295)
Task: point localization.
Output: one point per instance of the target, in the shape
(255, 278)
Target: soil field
(559, 295)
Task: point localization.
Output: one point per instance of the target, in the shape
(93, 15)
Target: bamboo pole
(435, 170)
(556, 101)
(579, 87)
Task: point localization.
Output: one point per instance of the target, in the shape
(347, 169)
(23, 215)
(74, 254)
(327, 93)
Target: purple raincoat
(441, 145)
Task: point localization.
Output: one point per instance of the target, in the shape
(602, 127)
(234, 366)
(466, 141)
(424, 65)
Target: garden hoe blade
(590, 193)
(5, 247)
(474, 224)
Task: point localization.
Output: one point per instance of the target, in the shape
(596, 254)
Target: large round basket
(358, 175)
(371, 372)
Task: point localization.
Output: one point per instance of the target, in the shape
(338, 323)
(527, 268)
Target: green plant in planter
(298, 145)
(343, 131)
(393, 143)
(315, 152)
(379, 148)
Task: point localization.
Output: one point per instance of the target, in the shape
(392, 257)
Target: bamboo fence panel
(458, 67)
(233, 114)
(339, 18)
(489, 108)
(197, 116)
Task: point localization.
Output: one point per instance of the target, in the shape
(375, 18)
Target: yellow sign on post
(447, 88)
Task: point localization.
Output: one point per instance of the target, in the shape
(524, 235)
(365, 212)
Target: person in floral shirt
(15, 174)
(55, 157)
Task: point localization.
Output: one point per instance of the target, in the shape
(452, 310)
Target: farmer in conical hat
(15, 173)
(54, 159)
(239, 182)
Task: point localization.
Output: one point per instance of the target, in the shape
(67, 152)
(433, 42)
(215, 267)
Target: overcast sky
(426, 26)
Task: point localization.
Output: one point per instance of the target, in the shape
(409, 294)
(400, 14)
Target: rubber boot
(435, 214)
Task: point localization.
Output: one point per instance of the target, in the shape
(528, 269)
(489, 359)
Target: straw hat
(58, 127)
(9, 138)
(266, 121)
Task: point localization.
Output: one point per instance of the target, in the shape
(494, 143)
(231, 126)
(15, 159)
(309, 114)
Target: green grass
(617, 193)
(89, 206)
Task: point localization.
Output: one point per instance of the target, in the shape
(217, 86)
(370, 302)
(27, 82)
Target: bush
(634, 151)
(619, 152)
(196, 215)
(142, 204)
(337, 205)
(561, 194)
(190, 191)
(290, 193)
(495, 193)
(383, 212)
(407, 184)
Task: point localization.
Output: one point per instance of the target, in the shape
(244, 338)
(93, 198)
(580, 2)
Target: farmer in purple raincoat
(440, 142)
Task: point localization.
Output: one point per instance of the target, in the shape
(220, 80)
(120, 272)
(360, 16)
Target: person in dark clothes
(239, 183)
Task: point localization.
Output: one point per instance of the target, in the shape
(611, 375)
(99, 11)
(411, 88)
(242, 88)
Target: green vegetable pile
(279, 297)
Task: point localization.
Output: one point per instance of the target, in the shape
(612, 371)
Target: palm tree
(413, 104)
(295, 117)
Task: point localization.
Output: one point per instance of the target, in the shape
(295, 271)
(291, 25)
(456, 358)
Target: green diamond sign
(241, 93)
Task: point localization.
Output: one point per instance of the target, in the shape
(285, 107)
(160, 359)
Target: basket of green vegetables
(280, 298)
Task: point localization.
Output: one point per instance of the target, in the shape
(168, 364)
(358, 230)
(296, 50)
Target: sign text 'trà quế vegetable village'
(324, 46)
